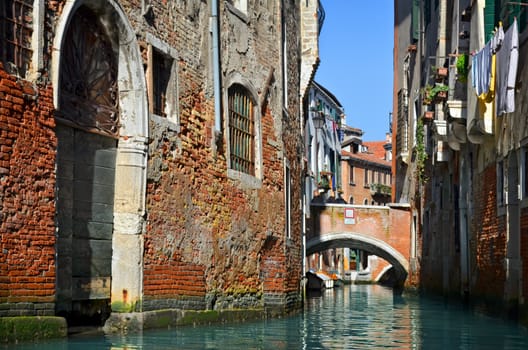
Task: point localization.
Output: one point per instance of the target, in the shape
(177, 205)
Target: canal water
(351, 317)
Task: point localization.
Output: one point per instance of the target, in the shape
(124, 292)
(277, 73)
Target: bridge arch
(364, 242)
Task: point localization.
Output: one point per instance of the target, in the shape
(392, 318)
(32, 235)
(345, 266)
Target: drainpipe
(216, 67)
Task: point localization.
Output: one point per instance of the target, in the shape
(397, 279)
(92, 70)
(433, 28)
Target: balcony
(380, 189)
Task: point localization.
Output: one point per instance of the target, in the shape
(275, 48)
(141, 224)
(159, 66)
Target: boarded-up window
(241, 130)
(16, 29)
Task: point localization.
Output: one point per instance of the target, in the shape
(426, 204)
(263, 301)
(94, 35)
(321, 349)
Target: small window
(365, 202)
(162, 80)
(161, 66)
(16, 30)
(524, 171)
(351, 174)
(500, 183)
(351, 200)
(241, 130)
(366, 179)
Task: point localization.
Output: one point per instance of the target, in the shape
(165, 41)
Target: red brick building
(150, 155)
(366, 171)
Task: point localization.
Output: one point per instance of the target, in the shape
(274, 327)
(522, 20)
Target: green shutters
(415, 20)
(505, 11)
(490, 16)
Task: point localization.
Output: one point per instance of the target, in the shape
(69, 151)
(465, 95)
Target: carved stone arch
(131, 153)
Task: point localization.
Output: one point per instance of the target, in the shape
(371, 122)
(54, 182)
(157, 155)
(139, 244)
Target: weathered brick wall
(220, 234)
(209, 241)
(27, 209)
(489, 238)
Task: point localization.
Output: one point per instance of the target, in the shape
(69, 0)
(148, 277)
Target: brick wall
(209, 241)
(27, 180)
(221, 234)
(489, 238)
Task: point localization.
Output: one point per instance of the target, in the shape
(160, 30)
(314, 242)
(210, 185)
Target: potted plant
(428, 116)
(441, 73)
(462, 67)
(436, 93)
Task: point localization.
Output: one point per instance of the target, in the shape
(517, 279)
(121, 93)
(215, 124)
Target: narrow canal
(353, 317)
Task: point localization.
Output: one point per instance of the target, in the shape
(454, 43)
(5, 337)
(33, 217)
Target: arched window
(351, 200)
(365, 202)
(241, 130)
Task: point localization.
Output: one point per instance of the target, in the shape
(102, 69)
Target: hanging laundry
(481, 70)
(507, 60)
(481, 63)
(487, 88)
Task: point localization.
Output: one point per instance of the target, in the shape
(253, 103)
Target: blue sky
(355, 47)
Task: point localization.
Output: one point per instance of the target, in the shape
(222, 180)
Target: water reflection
(352, 317)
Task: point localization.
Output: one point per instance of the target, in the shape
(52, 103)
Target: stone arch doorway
(101, 113)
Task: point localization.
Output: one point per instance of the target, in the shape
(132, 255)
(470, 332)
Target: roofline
(328, 94)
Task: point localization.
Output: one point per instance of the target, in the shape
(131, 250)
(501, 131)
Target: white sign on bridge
(350, 216)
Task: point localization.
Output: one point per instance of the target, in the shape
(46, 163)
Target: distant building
(366, 171)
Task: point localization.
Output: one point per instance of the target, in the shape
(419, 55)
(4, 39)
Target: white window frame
(172, 97)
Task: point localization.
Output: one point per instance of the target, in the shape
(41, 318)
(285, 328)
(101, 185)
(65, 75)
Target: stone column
(129, 220)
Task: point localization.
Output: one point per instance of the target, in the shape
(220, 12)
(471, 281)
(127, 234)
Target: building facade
(459, 145)
(151, 155)
(366, 171)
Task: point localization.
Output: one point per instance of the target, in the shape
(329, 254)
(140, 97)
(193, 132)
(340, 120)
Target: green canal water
(352, 317)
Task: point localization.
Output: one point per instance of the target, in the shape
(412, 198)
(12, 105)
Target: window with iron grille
(241, 130)
(402, 138)
(16, 29)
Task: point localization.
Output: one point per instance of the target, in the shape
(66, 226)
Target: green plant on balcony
(421, 154)
(378, 188)
(462, 67)
(324, 183)
(435, 93)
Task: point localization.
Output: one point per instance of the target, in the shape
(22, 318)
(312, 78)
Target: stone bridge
(384, 231)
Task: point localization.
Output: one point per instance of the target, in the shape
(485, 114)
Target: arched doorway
(102, 127)
(87, 131)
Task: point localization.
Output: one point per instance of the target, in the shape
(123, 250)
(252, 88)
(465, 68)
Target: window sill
(167, 123)
(247, 181)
